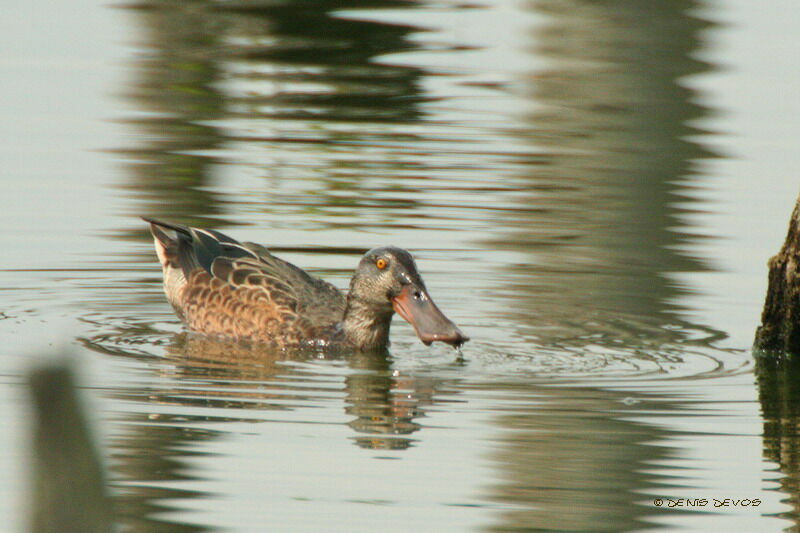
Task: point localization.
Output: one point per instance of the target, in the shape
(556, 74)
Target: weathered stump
(779, 333)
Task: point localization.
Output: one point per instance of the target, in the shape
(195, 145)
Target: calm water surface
(591, 190)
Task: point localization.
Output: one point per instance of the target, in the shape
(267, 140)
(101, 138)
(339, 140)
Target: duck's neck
(365, 326)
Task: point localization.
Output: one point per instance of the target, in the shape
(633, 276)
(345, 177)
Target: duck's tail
(157, 224)
(193, 248)
(173, 244)
(168, 248)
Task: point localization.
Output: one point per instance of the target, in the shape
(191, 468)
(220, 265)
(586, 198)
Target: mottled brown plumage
(219, 286)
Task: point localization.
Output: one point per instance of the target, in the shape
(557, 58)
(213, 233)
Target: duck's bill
(417, 308)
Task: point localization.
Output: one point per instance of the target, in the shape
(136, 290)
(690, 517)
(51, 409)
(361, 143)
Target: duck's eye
(381, 263)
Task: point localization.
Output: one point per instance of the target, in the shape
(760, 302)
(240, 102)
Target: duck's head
(387, 280)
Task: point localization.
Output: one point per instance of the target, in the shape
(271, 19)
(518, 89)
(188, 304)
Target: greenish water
(591, 190)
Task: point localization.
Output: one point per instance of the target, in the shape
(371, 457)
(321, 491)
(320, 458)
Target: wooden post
(69, 491)
(779, 333)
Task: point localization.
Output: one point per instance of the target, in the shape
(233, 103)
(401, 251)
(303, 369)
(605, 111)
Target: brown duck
(219, 286)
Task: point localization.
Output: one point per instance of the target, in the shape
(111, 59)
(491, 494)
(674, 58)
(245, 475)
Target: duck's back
(220, 286)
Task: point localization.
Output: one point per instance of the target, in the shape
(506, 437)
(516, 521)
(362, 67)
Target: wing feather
(242, 290)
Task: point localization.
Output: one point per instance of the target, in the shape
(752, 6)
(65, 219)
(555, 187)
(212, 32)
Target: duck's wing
(317, 299)
(192, 248)
(227, 282)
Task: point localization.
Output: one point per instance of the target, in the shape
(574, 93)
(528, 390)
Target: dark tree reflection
(568, 461)
(247, 76)
(600, 236)
(603, 231)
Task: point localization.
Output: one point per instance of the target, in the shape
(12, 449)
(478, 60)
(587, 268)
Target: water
(591, 191)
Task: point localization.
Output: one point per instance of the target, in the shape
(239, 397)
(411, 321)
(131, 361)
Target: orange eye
(381, 263)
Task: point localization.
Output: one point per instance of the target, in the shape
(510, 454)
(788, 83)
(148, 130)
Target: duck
(224, 288)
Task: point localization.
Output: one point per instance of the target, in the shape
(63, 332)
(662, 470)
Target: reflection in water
(176, 100)
(779, 394)
(267, 82)
(150, 456)
(569, 461)
(603, 227)
(240, 382)
(311, 64)
(601, 236)
(386, 402)
(304, 91)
